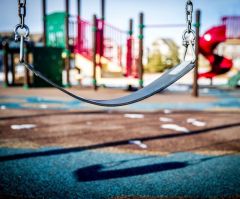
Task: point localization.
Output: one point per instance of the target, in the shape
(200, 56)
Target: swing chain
(189, 11)
(21, 30)
(189, 35)
(22, 11)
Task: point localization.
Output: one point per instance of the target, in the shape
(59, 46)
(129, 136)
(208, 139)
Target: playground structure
(98, 49)
(98, 39)
(102, 50)
(111, 52)
(228, 30)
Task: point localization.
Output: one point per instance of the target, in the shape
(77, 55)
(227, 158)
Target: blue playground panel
(78, 173)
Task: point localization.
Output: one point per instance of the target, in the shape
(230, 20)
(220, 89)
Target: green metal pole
(44, 8)
(102, 31)
(67, 61)
(140, 57)
(195, 91)
(94, 52)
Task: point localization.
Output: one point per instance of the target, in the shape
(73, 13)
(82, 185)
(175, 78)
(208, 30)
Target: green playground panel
(56, 33)
(48, 60)
(234, 81)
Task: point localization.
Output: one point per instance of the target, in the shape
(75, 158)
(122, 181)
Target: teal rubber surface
(76, 173)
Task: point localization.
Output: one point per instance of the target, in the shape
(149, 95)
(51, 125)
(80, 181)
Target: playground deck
(74, 150)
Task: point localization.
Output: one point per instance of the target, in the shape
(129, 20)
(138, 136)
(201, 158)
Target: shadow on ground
(94, 172)
(104, 171)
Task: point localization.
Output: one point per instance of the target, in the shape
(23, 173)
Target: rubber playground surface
(170, 145)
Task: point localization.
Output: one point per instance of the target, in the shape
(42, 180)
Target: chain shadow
(110, 144)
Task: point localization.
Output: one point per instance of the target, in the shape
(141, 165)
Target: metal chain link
(22, 11)
(21, 30)
(189, 35)
(189, 11)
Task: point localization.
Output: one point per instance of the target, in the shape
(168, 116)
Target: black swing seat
(156, 86)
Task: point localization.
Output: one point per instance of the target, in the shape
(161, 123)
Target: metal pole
(79, 36)
(26, 71)
(102, 30)
(12, 68)
(44, 8)
(79, 32)
(5, 63)
(195, 91)
(129, 58)
(131, 27)
(94, 51)
(103, 9)
(79, 5)
(26, 83)
(140, 57)
(67, 62)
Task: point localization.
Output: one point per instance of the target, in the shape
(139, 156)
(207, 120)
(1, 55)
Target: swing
(157, 86)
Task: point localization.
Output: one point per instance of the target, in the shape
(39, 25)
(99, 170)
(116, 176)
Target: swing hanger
(21, 30)
(189, 36)
(168, 78)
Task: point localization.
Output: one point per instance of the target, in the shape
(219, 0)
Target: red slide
(208, 42)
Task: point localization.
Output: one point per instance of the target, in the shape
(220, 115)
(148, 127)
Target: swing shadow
(100, 172)
(110, 144)
(96, 172)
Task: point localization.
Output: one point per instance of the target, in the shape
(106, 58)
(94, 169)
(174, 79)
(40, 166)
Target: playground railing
(84, 40)
(112, 44)
(72, 30)
(121, 48)
(233, 26)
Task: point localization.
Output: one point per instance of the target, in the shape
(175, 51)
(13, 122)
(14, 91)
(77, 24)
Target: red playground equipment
(230, 29)
(114, 50)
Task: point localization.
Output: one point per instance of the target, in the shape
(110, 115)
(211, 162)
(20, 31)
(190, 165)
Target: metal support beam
(103, 9)
(94, 58)
(44, 11)
(79, 6)
(195, 91)
(12, 68)
(5, 63)
(26, 83)
(67, 61)
(140, 56)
